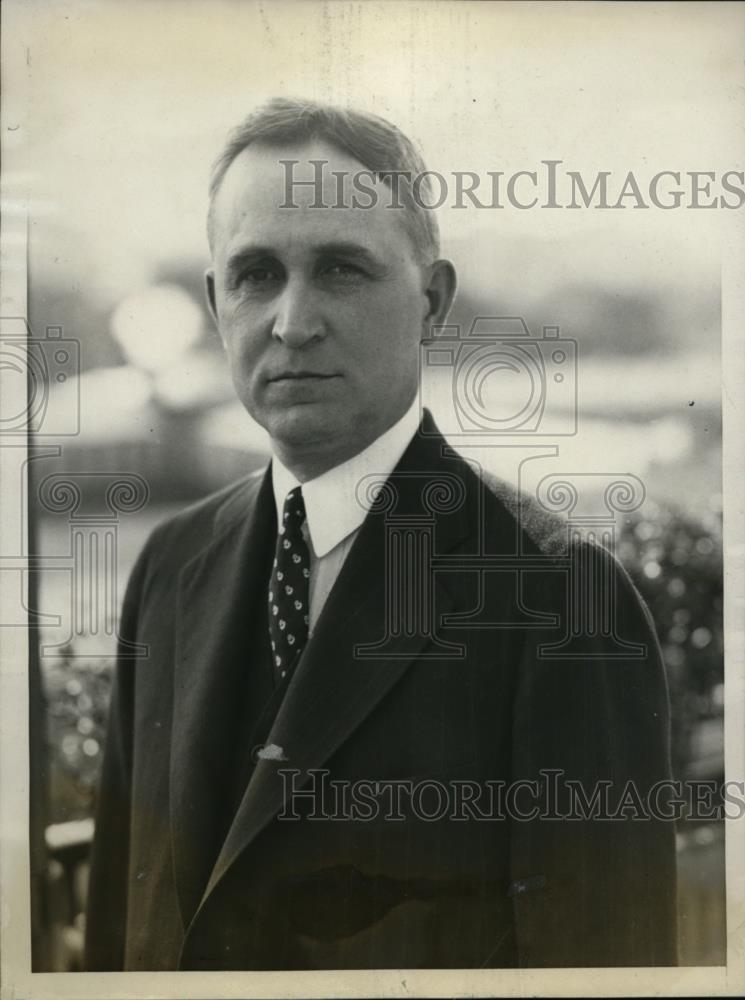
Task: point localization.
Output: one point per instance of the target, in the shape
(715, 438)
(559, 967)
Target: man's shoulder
(541, 531)
(565, 546)
(206, 518)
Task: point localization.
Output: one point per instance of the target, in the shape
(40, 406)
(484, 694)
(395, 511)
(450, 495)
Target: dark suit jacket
(198, 862)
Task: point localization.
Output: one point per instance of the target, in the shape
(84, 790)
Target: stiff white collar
(332, 505)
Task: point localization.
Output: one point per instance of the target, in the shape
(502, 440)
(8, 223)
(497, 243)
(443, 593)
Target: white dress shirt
(334, 512)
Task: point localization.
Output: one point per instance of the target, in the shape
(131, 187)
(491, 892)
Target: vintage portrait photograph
(371, 564)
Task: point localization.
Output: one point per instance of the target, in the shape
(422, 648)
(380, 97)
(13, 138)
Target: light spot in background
(155, 325)
(701, 637)
(652, 569)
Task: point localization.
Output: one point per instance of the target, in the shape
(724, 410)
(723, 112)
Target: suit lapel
(333, 689)
(215, 592)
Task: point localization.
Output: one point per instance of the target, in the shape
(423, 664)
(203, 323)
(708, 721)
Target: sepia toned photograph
(371, 565)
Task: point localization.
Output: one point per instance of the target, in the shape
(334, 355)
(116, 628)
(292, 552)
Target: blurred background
(128, 102)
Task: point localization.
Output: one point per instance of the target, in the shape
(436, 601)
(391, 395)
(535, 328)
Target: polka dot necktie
(289, 588)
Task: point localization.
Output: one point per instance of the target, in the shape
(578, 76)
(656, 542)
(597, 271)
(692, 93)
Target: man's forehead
(264, 162)
(266, 187)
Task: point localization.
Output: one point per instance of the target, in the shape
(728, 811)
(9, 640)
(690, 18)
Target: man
(282, 649)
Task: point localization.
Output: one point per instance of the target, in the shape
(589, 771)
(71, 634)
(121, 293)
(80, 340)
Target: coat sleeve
(106, 911)
(597, 888)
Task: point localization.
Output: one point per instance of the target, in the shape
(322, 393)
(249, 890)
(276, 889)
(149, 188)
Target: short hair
(376, 143)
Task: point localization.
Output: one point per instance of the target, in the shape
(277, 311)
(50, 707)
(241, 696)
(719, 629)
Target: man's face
(321, 310)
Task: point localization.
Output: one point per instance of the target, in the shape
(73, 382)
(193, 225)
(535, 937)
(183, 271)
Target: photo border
(15, 930)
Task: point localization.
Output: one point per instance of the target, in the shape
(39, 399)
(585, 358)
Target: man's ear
(440, 292)
(209, 282)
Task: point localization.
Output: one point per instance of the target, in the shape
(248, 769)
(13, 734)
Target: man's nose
(297, 319)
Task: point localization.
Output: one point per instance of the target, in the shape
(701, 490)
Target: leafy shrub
(676, 562)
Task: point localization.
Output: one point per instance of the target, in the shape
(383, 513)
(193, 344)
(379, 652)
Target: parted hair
(378, 145)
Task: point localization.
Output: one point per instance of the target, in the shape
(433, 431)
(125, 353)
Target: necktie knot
(293, 513)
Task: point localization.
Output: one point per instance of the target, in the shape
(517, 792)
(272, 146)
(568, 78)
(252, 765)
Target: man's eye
(341, 269)
(259, 275)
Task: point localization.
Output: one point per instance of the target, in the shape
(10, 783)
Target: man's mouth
(301, 376)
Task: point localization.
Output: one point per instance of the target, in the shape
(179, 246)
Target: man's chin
(303, 425)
